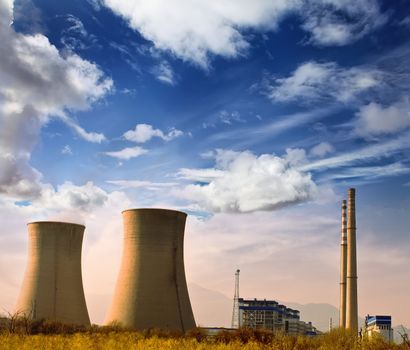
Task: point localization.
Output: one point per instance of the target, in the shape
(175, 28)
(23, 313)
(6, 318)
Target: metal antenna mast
(235, 312)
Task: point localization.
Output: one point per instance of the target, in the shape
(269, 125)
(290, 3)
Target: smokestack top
(351, 191)
(50, 222)
(344, 203)
(155, 209)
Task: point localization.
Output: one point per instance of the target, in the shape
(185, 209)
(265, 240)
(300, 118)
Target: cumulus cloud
(37, 83)
(244, 182)
(70, 197)
(127, 153)
(375, 119)
(207, 28)
(145, 132)
(313, 81)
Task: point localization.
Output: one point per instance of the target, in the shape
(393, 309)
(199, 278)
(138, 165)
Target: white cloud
(321, 149)
(196, 30)
(163, 72)
(375, 119)
(371, 152)
(230, 117)
(37, 83)
(141, 184)
(85, 135)
(95, 4)
(370, 172)
(313, 81)
(341, 22)
(70, 198)
(75, 36)
(127, 153)
(193, 30)
(244, 182)
(67, 150)
(145, 132)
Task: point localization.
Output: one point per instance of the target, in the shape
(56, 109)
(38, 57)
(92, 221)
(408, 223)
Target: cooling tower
(351, 277)
(343, 263)
(151, 290)
(52, 288)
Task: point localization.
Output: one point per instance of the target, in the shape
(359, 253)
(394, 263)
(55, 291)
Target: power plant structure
(52, 287)
(343, 269)
(267, 314)
(235, 311)
(151, 290)
(348, 313)
(380, 326)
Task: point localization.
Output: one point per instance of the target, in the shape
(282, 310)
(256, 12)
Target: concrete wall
(151, 289)
(52, 287)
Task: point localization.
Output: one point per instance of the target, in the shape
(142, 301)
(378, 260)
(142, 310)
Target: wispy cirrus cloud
(313, 81)
(341, 22)
(153, 186)
(164, 73)
(75, 36)
(367, 153)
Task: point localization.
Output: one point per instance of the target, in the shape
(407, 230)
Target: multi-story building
(270, 315)
(379, 325)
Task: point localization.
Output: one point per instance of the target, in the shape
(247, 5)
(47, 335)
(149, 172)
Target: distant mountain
(318, 314)
(212, 308)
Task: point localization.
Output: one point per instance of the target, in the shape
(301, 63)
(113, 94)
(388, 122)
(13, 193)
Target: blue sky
(230, 110)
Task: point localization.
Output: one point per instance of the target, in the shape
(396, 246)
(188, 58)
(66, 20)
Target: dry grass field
(21, 334)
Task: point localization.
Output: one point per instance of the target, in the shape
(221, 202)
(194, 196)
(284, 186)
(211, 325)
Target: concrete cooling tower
(52, 288)
(151, 290)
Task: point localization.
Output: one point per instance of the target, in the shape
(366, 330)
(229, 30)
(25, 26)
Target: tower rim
(54, 222)
(154, 209)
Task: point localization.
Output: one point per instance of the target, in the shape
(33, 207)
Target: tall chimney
(343, 266)
(351, 278)
(53, 288)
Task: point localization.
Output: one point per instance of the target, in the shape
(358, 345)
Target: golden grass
(22, 333)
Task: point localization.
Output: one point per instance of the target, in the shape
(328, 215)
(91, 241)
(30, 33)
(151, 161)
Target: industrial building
(380, 325)
(267, 314)
(151, 290)
(271, 315)
(52, 288)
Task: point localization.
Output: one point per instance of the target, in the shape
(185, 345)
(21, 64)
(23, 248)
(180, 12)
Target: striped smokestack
(343, 266)
(351, 278)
